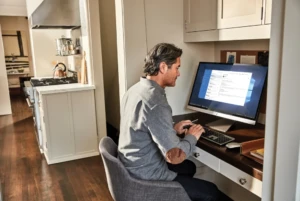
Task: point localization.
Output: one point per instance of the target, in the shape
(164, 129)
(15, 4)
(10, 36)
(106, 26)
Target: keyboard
(216, 136)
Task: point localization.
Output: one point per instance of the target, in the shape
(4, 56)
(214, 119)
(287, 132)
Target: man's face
(172, 74)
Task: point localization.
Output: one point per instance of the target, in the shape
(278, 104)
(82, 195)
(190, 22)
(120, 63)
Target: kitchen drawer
(207, 159)
(243, 179)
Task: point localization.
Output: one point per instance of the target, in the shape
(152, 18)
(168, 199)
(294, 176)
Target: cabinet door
(239, 13)
(200, 15)
(268, 11)
(58, 124)
(84, 121)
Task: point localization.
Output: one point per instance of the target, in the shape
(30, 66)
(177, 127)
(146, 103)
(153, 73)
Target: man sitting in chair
(148, 145)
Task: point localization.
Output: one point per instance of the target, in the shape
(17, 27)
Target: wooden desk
(230, 162)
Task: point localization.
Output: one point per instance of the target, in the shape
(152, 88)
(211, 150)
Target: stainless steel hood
(56, 14)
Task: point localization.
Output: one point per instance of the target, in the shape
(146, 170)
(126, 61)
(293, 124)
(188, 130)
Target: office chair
(123, 187)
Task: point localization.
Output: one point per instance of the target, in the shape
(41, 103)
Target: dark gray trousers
(197, 189)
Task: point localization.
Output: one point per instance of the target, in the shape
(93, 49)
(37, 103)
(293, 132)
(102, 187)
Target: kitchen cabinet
(200, 15)
(234, 20)
(239, 13)
(68, 123)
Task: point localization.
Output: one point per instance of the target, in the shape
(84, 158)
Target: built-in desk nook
(229, 162)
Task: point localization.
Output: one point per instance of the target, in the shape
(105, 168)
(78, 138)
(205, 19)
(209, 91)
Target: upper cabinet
(221, 20)
(239, 13)
(268, 11)
(200, 15)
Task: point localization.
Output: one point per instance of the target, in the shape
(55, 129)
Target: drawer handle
(243, 181)
(196, 154)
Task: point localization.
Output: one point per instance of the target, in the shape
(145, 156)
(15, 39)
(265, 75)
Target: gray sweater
(147, 133)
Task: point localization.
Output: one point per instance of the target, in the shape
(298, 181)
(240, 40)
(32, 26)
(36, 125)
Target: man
(148, 145)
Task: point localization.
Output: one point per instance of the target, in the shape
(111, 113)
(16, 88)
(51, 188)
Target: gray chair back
(123, 187)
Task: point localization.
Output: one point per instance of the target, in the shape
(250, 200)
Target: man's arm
(176, 155)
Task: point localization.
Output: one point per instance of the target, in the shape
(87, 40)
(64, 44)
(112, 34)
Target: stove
(53, 81)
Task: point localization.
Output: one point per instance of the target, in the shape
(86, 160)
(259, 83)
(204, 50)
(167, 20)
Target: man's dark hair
(162, 52)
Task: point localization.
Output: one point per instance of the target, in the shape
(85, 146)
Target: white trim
(298, 179)
(121, 48)
(70, 157)
(241, 33)
(273, 93)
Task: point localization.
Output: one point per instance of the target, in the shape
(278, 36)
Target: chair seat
(123, 187)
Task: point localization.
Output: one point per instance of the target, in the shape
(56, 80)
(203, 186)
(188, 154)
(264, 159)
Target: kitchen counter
(64, 88)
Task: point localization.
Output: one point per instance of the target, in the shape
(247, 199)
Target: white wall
(91, 43)
(145, 25)
(110, 61)
(32, 5)
(287, 143)
(13, 8)
(5, 107)
(131, 42)
(44, 50)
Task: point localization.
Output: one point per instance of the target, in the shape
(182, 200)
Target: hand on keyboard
(196, 130)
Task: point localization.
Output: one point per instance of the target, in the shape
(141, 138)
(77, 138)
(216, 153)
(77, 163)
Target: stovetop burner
(52, 81)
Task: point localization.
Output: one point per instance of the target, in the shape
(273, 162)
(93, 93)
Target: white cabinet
(239, 177)
(245, 180)
(68, 125)
(239, 13)
(224, 20)
(268, 11)
(206, 158)
(200, 15)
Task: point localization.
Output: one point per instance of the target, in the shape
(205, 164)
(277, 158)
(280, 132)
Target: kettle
(59, 70)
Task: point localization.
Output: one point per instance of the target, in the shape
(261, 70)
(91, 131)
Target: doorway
(16, 54)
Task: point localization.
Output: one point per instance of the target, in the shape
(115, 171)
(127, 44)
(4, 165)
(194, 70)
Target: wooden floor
(25, 175)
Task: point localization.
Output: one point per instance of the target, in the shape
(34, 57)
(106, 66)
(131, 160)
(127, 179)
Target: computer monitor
(230, 91)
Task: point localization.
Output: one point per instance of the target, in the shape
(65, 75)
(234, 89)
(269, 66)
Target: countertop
(62, 88)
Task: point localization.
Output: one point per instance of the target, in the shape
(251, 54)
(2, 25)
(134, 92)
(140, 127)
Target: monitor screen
(231, 91)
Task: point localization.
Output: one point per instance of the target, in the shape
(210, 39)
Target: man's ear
(163, 67)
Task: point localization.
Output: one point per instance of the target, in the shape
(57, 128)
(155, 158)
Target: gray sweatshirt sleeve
(160, 125)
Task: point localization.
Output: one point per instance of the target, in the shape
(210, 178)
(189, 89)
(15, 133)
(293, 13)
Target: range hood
(56, 14)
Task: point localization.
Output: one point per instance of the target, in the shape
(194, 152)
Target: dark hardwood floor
(25, 175)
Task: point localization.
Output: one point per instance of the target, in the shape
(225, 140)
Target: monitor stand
(222, 125)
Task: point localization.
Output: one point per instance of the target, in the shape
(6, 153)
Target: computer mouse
(232, 145)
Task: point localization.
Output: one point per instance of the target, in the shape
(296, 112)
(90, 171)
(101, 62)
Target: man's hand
(179, 126)
(196, 130)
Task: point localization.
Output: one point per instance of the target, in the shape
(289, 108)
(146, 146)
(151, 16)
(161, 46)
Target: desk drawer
(206, 158)
(243, 179)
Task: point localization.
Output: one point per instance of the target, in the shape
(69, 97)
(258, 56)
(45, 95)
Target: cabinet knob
(243, 181)
(196, 154)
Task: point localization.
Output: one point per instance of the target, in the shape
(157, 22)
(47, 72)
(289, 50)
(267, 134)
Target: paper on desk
(245, 59)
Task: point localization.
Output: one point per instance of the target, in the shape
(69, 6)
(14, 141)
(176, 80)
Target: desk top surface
(241, 132)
